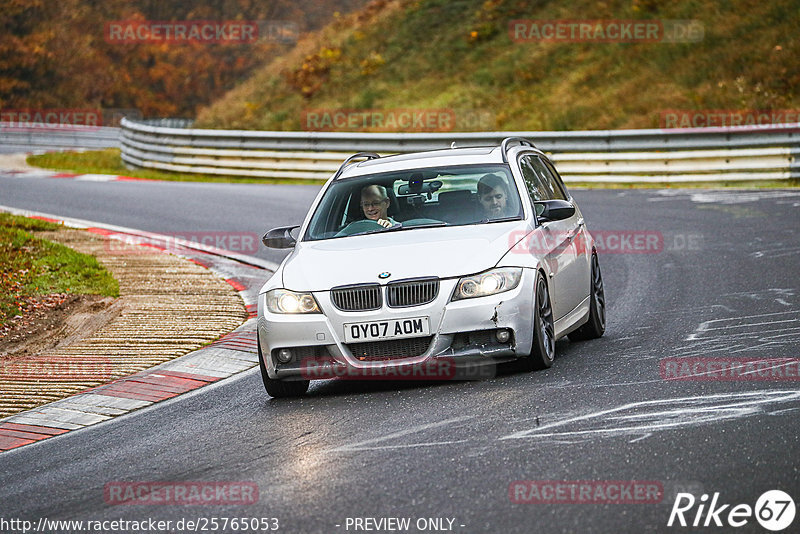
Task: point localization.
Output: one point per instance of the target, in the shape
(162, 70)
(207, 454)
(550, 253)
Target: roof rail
(358, 155)
(508, 140)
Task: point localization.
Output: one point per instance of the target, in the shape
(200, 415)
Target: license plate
(389, 329)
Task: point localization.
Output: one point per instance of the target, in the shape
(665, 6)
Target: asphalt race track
(722, 282)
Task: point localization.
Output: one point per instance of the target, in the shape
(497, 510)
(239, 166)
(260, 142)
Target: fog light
(503, 335)
(284, 355)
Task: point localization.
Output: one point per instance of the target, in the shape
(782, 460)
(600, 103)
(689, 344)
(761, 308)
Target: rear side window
(540, 180)
(557, 178)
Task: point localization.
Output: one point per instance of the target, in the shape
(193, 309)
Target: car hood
(443, 252)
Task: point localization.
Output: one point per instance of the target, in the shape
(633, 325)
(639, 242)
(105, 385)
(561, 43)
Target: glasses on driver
(375, 204)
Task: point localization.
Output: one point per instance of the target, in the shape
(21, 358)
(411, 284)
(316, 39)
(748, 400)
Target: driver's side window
(533, 180)
(539, 180)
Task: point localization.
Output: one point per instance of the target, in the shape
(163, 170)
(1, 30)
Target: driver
(375, 204)
(493, 196)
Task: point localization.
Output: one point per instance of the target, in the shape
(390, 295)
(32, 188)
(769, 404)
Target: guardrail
(679, 155)
(46, 137)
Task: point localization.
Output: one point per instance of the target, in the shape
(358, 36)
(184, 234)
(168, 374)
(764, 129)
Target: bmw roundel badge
(384, 275)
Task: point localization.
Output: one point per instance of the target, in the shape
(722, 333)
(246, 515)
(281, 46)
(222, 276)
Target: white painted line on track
(680, 412)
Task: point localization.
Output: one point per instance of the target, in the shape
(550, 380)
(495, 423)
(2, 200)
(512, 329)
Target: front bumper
(462, 344)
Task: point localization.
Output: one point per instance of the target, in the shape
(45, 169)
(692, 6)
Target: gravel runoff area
(15, 162)
(168, 307)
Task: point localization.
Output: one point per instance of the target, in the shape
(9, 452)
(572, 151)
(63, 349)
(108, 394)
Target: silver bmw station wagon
(421, 265)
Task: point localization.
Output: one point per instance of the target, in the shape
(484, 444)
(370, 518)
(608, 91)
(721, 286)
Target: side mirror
(554, 210)
(280, 237)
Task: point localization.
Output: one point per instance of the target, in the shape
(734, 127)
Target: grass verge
(108, 161)
(31, 266)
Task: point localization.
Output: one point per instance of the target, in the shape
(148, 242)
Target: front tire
(279, 388)
(595, 327)
(543, 351)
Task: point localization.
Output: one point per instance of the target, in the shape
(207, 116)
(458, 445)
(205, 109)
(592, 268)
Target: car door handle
(577, 230)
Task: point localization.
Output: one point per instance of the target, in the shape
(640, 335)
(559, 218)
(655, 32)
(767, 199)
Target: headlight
(285, 301)
(488, 283)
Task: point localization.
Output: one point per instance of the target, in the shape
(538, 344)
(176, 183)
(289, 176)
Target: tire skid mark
(640, 418)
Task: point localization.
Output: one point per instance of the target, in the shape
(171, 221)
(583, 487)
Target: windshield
(417, 198)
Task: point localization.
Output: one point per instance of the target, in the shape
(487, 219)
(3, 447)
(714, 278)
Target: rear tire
(543, 351)
(595, 327)
(279, 388)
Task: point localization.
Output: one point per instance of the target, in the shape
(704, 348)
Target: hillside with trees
(461, 55)
(56, 54)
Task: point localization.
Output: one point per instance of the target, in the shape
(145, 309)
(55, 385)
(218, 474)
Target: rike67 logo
(774, 510)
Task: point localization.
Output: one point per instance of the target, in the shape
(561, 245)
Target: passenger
(493, 196)
(375, 204)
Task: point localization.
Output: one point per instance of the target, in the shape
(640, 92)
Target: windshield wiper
(500, 219)
(429, 225)
(399, 226)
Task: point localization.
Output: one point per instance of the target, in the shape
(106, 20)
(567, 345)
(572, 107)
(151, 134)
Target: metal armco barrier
(57, 138)
(677, 155)
(739, 153)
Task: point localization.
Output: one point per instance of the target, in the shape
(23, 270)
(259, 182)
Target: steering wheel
(356, 227)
